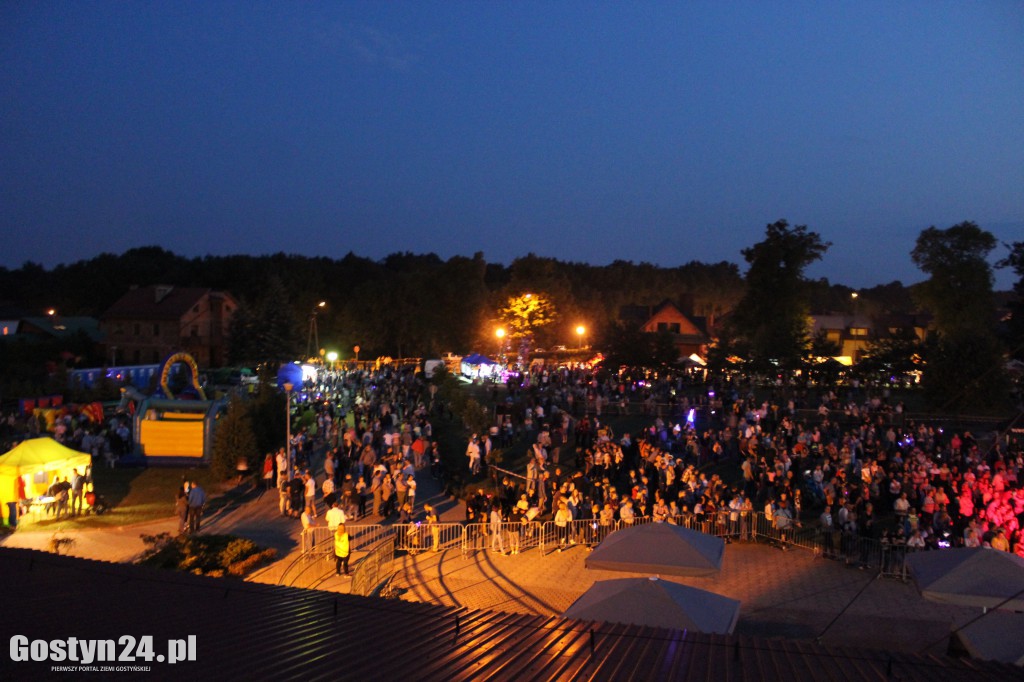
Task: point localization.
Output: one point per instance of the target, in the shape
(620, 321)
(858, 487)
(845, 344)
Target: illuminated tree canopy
(523, 315)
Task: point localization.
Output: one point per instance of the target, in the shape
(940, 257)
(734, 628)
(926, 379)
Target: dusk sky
(587, 131)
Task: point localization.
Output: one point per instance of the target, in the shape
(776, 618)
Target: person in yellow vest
(341, 549)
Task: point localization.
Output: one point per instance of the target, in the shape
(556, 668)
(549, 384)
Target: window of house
(672, 327)
(858, 331)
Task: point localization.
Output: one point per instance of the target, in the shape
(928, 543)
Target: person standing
(268, 472)
(361, 497)
(181, 510)
(335, 516)
(283, 494)
(196, 503)
(282, 467)
(473, 453)
(77, 488)
(401, 490)
(410, 484)
(376, 488)
(432, 524)
(341, 550)
(309, 488)
(562, 518)
(497, 542)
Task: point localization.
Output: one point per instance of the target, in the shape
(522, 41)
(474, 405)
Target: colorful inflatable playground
(175, 425)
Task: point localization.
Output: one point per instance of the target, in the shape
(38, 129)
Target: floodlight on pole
(313, 337)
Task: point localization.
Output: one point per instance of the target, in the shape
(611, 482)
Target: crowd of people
(853, 469)
(850, 466)
(370, 437)
(106, 441)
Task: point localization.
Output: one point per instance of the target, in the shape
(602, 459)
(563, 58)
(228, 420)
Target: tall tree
(234, 440)
(265, 330)
(963, 359)
(1015, 327)
(769, 323)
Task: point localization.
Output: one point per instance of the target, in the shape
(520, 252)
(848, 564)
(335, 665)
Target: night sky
(587, 131)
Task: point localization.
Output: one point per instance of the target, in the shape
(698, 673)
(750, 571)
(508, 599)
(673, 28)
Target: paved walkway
(787, 594)
(783, 594)
(251, 513)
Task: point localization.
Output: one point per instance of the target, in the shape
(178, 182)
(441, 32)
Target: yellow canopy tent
(38, 460)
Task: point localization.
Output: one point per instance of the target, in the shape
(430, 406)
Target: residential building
(149, 323)
(689, 333)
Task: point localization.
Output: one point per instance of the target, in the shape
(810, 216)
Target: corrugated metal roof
(254, 631)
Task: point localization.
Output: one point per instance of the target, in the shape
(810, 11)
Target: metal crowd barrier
(888, 559)
(513, 536)
(319, 540)
(422, 537)
(373, 569)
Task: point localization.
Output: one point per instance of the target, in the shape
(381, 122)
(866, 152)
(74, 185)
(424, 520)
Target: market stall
(37, 462)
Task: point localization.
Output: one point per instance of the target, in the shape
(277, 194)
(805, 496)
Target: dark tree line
(403, 305)
(419, 305)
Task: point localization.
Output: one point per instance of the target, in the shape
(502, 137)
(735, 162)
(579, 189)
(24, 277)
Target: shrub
(213, 555)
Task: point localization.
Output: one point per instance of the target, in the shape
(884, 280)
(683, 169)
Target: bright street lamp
(580, 331)
(332, 357)
(500, 333)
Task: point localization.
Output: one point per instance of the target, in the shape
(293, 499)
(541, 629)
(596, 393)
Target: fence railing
(889, 559)
(435, 537)
(374, 568)
(319, 540)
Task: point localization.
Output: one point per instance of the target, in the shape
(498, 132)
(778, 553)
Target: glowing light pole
(500, 333)
(288, 386)
(313, 337)
(580, 332)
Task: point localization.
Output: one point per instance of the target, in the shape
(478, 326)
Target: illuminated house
(689, 333)
(853, 333)
(149, 323)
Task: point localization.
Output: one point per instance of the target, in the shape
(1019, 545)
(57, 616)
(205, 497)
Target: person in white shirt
(473, 453)
(335, 517)
(310, 485)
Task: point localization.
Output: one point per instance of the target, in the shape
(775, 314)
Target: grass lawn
(135, 495)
